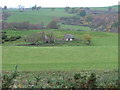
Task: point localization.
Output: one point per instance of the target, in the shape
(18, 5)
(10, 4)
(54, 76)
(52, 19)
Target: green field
(60, 58)
(36, 17)
(44, 15)
(101, 55)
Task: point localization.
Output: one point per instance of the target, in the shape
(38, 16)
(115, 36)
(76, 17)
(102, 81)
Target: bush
(12, 38)
(92, 81)
(4, 36)
(87, 38)
(77, 76)
(53, 24)
(44, 37)
(82, 13)
(22, 26)
(8, 79)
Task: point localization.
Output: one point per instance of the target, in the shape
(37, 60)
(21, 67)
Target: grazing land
(33, 41)
(102, 55)
(35, 17)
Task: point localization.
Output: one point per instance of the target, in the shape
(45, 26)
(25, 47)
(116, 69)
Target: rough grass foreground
(61, 79)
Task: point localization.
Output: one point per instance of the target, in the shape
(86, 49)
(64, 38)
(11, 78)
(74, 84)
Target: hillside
(36, 17)
(44, 15)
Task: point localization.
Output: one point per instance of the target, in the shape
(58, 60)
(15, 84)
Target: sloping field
(60, 58)
(102, 55)
(36, 17)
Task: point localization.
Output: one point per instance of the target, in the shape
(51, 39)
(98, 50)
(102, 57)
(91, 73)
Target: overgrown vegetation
(61, 79)
(22, 26)
(44, 37)
(8, 79)
(54, 61)
(5, 38)
(87, 38)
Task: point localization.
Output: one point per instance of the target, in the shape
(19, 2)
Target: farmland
(44, 15)
(72, 56)
(59, 63)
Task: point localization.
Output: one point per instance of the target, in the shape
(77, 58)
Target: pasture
(101, 55)
(36, 17)
(60, 63)
(60, 58)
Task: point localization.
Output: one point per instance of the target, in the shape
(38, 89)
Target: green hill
(36, 17)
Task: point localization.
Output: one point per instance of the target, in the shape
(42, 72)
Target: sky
(58, 3)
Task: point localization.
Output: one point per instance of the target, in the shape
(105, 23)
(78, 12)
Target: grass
(60, 58)
(73, 27)
(101, 55)
(114, 7)
(36, 17)
(98, 38)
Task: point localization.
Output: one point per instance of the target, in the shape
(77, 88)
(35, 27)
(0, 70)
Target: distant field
(115, 7)
(74, 28)
(36, 17)
(44, 15)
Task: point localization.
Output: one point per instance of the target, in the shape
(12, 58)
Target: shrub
(92, 81)
(12, 38)
(4, 36)
(87, 38)
(8, 79)
(53, 24)
(44, 37)
(82, 13)
(77, 76)
(22, 26)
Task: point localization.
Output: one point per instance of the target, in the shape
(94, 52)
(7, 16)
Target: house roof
(67, 36)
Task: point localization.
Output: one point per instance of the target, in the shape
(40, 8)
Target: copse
(40, 37)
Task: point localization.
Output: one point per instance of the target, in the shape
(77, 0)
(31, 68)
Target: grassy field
(98, 38)
(44, 15)
(74, 28)
(36, 17)
(115, 7)
(101, 55)
(60, 58)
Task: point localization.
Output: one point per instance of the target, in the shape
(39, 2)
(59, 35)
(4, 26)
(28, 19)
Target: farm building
(68, 37)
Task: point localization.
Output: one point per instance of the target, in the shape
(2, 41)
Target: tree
(89, 18)
(67, 9)
(82, 13)
(44, 37)
(87, 38)
(53, 24)
(21, 8)
(34, 7)
(38, 8)
(110, 8)
(52, 9)
(5, 7)
(73, 10)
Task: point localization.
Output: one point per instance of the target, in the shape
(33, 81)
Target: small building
(68, 37)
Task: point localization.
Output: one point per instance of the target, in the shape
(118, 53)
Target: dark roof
(67, 36)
